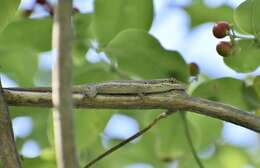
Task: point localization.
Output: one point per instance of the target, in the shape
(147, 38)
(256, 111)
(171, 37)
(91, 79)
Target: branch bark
(61, 84)
(8, 152)
(177, 100)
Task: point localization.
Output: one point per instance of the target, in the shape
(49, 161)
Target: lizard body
(139, 87)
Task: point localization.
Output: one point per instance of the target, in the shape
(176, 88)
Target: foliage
(121, 30)
(7, 12)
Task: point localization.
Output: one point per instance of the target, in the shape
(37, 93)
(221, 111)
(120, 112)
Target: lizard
(119, 87)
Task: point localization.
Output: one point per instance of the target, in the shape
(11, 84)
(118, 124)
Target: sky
(169, 20)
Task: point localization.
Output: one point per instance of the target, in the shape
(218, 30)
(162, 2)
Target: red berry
(221, 29)
(225, 49)
(194, 69)
(42, 2)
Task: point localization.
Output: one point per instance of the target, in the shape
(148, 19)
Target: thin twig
(189, 139)
(116, 147)
(61, 83)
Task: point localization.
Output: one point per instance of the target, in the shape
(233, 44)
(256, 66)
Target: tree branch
(8, 152)
(223, 112)
(61, 84)
(176, 99)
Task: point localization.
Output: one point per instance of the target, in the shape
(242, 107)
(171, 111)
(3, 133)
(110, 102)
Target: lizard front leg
(89, 91)
(141, 95)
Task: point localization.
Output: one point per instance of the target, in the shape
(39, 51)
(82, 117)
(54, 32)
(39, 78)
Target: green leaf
(89, 125)
(247, 15)
(20, 43)
(41, 118)
(19, 64)
(141, 152)
(224, 154)
(91, 122)
(91, 73)
(138, 52)
(28, 33)
(198, 9)
(205, 125)
(7, 12)
(251, 97)
(256, 85)
(38, 162)
(82, 37)
(171, 140)
(188, 161)
(239, 158)
(226, 90)
(246, 57)
(113, 16)
(36, 34)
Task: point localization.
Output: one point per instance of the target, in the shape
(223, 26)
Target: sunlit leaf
(138, 52)
(246, 57)
(19, 64)
(41, 119)
(89, 125)
(247, 16)
(113, 16)
(256, 85)
(239, 158)
(28, 33)
(251, 97)
(7, 12)
(198, 9)
(171, 140)
(82, 37)
(92, 73)
(205, 125)
(226, 90)
(141, 152)
(38, 162)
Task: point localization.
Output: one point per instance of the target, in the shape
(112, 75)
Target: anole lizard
(120, 87)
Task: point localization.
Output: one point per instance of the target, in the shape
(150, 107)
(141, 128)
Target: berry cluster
(220, 30)
(46, 5)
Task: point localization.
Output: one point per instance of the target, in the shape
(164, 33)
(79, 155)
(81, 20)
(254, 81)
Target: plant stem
(189, 139)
